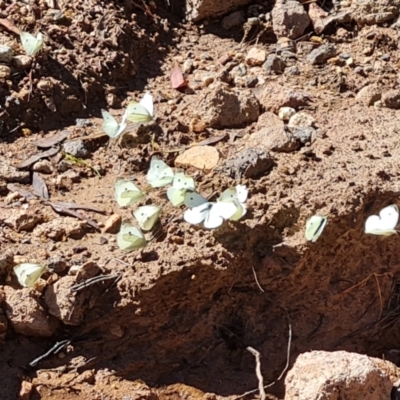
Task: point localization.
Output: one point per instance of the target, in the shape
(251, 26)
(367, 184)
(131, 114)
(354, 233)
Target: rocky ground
(296, 100)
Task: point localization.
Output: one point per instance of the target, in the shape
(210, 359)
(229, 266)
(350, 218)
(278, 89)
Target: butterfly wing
(110, 125)
(216, 214)
(159, 174)
(130, 237)
(28, 274)
(183, 181)
(147, 103)
(126, 192)
(147, 216)
(314, 227)
(197, 214)
(389, 217)
(176, 196)
(135, 112)
(193, 199)
(242, 193)
(31, 44)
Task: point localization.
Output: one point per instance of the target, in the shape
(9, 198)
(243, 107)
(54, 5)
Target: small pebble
(6, 54)
(286, 112)
(76, 148)
(385, 57)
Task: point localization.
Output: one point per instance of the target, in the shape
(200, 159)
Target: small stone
(368, 95)
(57, 264)
(391, 99)
(112, 224)
(255, 56)
(292, 70)
(321, 54)
(289, 19)
(350, 62)
(23, 220)
(83, 122)
(77, 148)
(304, 134)
(237, 18)
(43, 166)
(239, 71)
(274, 64)
(6, 54)
(225, 58)
(61, 228)
(359, 71)
(197, 125)
(286, 112)
(187, 66)
(22, 62)
(301, 119)
(385, 57)
(251, 81)
(201, 157)
(5, 72)
(207, 80)
(26, 390)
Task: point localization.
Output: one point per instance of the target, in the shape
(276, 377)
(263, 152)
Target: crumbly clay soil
(177, 322)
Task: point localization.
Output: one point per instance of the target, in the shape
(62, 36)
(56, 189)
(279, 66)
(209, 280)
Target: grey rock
(375, 12)
(321, 54)
(237, 18)
(391, 99)
(249, 163)
(287, 55)
(290, 19)
(274, 64)
(83, 122)
(43, 166)
(197, 10)
(6, 54)
(303, 134)
(292, 70)
(11, 174)
(76, 147)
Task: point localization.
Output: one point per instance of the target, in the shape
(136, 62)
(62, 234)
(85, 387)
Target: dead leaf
(10, 26)
(23, 192)
(52, 140)
(177, 79)
(36, 157)
(74, 206)
(39, 186)
(61, 209)
(210, 140)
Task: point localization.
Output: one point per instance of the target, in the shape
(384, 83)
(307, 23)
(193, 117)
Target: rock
(77, 148)
(289, 19)
(6, 53)
(60, 228)
(197, 10)
(22, 62)
(6, 263)
(292, 70)
(207, 80)
(301, 119)
(201, 157)
(285, 113)
(255, 56)
(273, 137)
(222, 107)
(368, 95)
(238, 18)
(274, 64)
(321, 54)
(25, 313)
(317, 14)
(43, 166)
(274, 96)
(238, 71)
(112, 224)
(249, 163)
(69, 307)
(338, 18)
(5, 72)
(11, 174)
(83, 122)
(304, 134)
(21, 219)
(323, 375)
(391, 99)
(251, 81)
(187, 66)
(26, 390)
(374, 12)
(57, 264)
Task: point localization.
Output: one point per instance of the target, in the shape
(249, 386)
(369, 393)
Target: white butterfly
(238, 196)
(385, 223)
(159, 174)
(147, 216)
(111, 126)
(130, 238)
(142, 111)
(180, 185)
(126, 192)
(31, 44)
(28, 274)
(212, 214)
(314, 227)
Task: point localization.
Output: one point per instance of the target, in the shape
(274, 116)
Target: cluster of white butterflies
(31, 44)
(383, 224)
(135, 112)
(229, 206)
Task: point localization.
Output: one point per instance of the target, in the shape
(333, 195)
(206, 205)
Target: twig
(54, 350)
(255, 277)
(92, 281)
(260, 378)
(284, 369)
